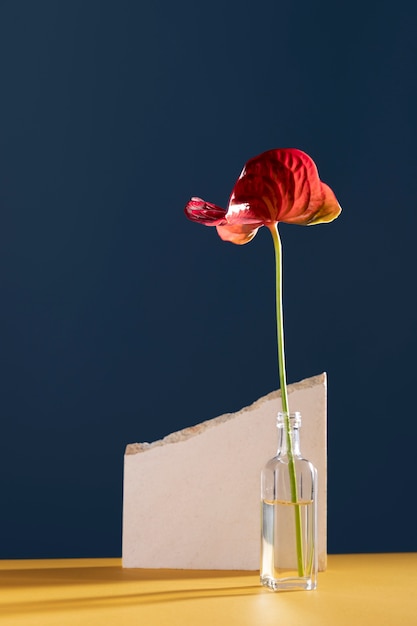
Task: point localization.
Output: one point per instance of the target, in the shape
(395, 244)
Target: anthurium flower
(280, 185)
(276, 186)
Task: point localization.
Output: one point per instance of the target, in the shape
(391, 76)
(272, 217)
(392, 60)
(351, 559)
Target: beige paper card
(192, 499)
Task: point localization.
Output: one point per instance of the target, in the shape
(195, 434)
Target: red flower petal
(205, 213)
(237, 233)
(281, 186)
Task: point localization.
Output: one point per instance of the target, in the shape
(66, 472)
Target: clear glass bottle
(289, 513)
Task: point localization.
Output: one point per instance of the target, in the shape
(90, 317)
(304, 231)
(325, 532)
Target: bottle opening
(295, 419)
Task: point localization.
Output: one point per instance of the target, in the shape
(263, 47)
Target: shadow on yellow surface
(71, 586)
(364, 590)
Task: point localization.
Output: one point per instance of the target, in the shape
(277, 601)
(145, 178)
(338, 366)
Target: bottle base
(288, 584)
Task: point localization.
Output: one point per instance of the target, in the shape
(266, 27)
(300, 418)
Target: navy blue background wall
(121, 321)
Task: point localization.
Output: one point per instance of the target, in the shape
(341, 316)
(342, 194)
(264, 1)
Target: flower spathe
(281, 185)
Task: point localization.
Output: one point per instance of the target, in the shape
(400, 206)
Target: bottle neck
(294, 433)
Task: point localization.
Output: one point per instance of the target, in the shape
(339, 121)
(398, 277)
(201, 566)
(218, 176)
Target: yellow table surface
(356, 590)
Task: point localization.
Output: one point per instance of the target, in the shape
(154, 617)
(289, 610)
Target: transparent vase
(289, 514)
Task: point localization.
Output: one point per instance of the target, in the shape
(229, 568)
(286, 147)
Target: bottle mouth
(295, 419)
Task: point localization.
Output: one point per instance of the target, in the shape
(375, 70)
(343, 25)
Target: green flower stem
(284, 395)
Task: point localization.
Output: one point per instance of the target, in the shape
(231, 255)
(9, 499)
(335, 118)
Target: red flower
(277, 186)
